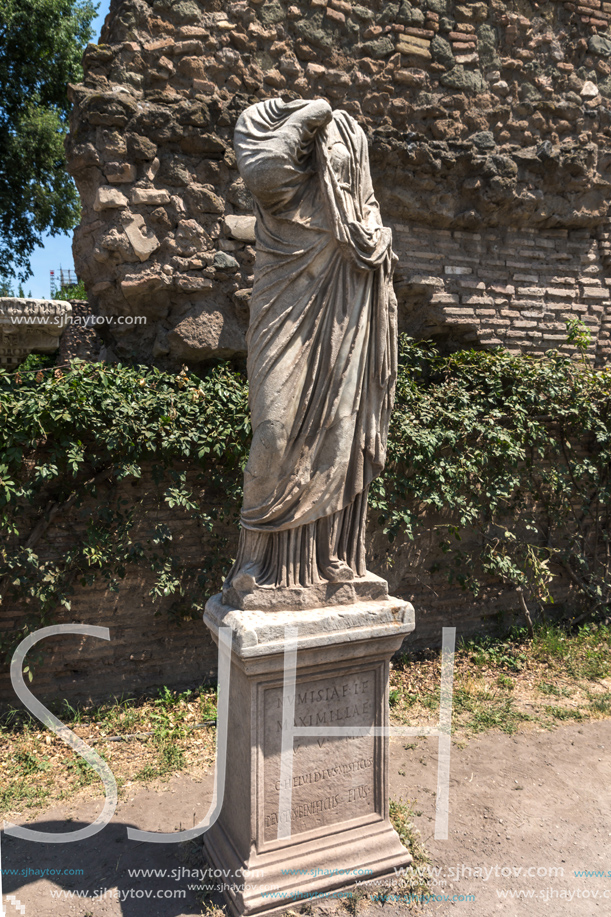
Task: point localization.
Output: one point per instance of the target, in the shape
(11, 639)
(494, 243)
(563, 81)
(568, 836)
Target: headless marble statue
(321, 358)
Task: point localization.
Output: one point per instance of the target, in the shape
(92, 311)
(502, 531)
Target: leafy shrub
(513, 448)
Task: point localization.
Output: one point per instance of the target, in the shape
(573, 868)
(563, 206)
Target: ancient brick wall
(489, 128)
(149, 648)
(511, 288)
(80, 340)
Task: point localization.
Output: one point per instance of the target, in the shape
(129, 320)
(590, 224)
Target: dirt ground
(537, 802)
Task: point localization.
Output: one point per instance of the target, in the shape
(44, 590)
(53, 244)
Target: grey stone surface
(274, 598)
(160, 98)
(240, 227)
(600, 44)
(322, 347)
(322, 368)
(257, 633)
(340, 832)
(30, 325)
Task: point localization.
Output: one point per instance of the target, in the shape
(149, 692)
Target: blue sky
(56, 252)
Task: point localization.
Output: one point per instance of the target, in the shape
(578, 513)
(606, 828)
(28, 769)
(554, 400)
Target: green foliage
(30, 764)
(86, 432)
(602, 704)
(578, 335)
(489, 713)
(515, 449)
(34, 362)
(582, 652)
(563, 713)
(506, 654)
(401, 815)
(41, 44)
(546, 687)
(71, 291)
(7, 289)
(415, 883)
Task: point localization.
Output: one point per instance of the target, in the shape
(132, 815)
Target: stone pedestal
(340, 833)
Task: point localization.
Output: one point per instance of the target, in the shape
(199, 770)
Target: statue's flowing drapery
(321, 344)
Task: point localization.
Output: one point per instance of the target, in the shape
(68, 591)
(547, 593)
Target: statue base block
(319, 595)
(336, 832)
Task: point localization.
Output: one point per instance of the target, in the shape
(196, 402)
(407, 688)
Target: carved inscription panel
(333, 778)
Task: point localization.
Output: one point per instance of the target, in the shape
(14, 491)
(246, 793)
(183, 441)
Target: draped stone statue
(321, 358)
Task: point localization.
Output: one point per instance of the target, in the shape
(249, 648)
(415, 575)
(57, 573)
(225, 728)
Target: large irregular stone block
(240, 227)
(109, 199)
(143, 241)
(150, 196)
(204, 333)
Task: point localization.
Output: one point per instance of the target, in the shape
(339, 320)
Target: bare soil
(534, 801)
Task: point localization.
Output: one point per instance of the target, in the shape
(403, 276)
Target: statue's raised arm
(274, 142)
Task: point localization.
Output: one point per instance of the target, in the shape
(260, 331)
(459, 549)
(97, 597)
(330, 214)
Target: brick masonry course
(149, 648)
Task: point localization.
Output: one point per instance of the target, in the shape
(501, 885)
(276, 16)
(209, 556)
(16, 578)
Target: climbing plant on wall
(517, 449)
(66, 437)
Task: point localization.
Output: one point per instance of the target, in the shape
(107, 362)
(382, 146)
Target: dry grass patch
(557, 676)
(141, 740)
(554, 677)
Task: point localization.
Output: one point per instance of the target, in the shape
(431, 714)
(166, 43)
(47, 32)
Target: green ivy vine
(515, 449)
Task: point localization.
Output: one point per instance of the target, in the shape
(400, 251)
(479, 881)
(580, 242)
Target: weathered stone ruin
(489, 128)
(30, 325)
(490, 140)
